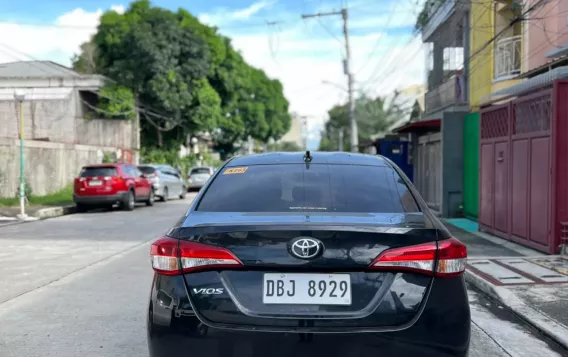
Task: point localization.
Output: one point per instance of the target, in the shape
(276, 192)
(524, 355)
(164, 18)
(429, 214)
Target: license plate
(307, 289)
(95, 183)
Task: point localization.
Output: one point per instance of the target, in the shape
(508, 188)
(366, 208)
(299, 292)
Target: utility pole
(347, 70)
(20, 97)
(340, 141)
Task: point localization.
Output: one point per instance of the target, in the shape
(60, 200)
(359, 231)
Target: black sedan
(308, 254)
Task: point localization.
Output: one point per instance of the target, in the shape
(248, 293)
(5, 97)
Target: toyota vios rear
(330, 255)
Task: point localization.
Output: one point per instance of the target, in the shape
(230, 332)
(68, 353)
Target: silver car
(198, 176)
(166, 181)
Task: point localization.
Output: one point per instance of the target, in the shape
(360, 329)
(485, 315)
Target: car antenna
(307, 158)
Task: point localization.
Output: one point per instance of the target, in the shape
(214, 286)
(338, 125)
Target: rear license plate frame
(281, 290)
(95, 183)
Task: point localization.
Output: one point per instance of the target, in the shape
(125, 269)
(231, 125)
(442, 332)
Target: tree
(185, 78)
(85, 61)
(374, 116)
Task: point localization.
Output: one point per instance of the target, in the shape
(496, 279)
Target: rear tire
(165, 195)
(129, 201)
(150, 200)
(182, 194)
(80, 208)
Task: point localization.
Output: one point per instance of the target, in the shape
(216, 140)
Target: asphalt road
(78, 286)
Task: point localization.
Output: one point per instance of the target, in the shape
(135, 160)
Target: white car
(198, 176)
(166, 181)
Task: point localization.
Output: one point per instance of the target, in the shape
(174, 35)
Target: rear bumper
(99, 200)
(158, 189)
(195, 184)
(442, 330)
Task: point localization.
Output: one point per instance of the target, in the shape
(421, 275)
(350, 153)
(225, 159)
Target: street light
(20, 96)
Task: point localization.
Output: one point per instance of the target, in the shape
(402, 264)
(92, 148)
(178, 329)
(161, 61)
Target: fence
(56, 121)
(471, 165)
(522, 158)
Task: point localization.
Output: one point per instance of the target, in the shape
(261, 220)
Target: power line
(347, 70)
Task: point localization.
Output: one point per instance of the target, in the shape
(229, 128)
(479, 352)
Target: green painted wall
(471, 165)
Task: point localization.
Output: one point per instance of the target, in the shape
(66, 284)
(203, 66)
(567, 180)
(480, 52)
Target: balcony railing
(508, 57)
(451, 92)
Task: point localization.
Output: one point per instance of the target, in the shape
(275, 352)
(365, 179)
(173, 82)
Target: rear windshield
(147, 169)
(201, 170)
(98, 171)
(323, 188)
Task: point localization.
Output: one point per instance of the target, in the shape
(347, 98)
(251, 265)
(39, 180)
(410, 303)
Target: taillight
(451, 253)
(171, 257)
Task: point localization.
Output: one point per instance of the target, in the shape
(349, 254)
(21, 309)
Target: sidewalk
(532, 285)
(38, 212)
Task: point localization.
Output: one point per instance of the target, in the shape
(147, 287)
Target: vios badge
(306, 248)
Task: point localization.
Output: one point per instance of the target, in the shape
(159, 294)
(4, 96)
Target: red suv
(107, 184)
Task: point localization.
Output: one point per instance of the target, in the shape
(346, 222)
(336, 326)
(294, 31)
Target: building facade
(297, 133)
(437, 138)
(61, 129)
(523, 181)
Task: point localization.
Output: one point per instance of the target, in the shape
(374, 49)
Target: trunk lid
(96, 180)
(347, 293)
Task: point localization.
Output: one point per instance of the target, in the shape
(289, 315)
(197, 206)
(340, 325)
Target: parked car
(198, 176)
(166, 181)
(107, 184)
(331, 254)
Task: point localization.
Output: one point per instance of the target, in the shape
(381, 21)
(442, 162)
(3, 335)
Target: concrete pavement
(38, 253)
(93, 298)
(530, 284)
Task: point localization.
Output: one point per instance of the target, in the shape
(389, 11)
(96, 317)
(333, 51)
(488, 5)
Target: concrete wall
(60, 121)
(452, 163)
(481, 63)
(48, 166)
(58, 141)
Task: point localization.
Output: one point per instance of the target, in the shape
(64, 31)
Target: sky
(304, 54)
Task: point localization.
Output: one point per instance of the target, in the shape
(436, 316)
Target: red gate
(519, 159)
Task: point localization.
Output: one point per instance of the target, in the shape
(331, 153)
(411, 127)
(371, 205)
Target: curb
(546, 325)
(52, 212)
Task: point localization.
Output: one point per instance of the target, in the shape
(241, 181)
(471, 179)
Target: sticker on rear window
(235, 170)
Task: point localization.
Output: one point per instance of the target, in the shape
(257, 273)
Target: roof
(419, 126)
(537, 81)
(112, 164)
(318, 157)
(36, 69)
(51, 93)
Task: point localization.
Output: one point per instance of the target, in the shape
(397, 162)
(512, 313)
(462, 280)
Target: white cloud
(302, 54)
(70, 30)
(291, 56)
(222, 16)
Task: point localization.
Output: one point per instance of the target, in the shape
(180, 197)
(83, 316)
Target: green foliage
(186, 71)
(116, 101)
(285, 146)
(373, 116)
(27, 190)
(58, 198)
(109, 158)
(171, 157)
(423, 17)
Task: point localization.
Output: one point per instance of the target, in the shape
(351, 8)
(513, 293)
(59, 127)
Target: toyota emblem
(306, 248)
